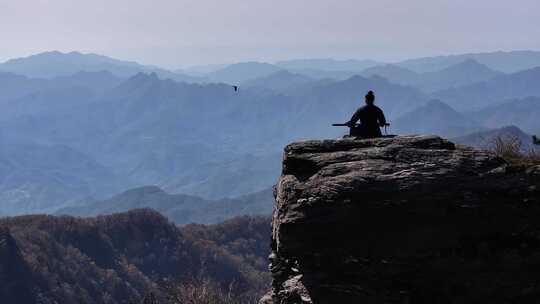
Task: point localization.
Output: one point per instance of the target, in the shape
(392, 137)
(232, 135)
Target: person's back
(371, 119)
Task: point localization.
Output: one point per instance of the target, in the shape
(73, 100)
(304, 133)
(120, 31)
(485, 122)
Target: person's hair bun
(370, 96)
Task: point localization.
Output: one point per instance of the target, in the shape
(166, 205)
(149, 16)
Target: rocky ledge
(410, 219)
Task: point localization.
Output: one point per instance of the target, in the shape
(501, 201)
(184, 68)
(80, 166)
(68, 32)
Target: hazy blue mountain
(327, 64)
(476, 96)
(325, 75)
(435, 117)
(241, 72)
(508, 62)
(485, 139)
(341, 98)
(204, 140)
(161, 132)
(279, 81)
(54, 64)
(460, 74)
(327, 68)
(43, 113)
(523, 113)
(53, 101)
(38, 178)
(201, 70)
(99, 80)
(393, 73)
(464, 73)
(180, 208)
(14, 86)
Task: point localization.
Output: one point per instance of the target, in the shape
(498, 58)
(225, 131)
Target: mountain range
(436, 118)
(55, 64)
(476, 96)
(280, 81)
(199, 139)
(327, 64)
(41, 178)
(463, 73)
(241, 72)
(523, 113)
(179, 208)
(119, 131)
(507, 62)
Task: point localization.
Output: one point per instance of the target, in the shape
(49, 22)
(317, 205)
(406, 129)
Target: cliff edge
(410, 219)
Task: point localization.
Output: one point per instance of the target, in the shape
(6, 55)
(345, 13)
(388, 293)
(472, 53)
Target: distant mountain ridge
(436, 118)
(488, 93)
(463, 73)
(327, 64)
(181, 209)
(279, 81)
(55, 64)
(33, 176)
(466, 72)
(523, 113)
(508, 62)
(241, 72)
(200, 139)
(210, 141)
(393, 73)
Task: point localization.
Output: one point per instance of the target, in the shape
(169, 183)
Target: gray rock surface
(410, 219)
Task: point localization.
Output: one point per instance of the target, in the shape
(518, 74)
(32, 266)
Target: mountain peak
(435, 117)
(471, 64)
(280, 80)
(55, 63)
(243, 71)
(438, 104)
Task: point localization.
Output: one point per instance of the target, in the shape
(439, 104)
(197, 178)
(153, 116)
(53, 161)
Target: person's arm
(354, 119)
(381, 118)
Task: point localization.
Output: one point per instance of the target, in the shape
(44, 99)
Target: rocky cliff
(411, 219)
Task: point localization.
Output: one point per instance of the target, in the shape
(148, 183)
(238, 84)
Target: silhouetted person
(235, 88)
(371, 119)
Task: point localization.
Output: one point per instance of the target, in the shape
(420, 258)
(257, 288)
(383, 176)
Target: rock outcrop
(410, 219)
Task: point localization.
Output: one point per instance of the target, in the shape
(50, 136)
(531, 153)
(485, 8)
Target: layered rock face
(410, 219)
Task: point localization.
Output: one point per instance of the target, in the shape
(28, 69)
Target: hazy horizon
(264, 61)
(175, 34)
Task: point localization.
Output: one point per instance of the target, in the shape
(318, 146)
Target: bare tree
(510, 148)
(196, 291)
(507, 147)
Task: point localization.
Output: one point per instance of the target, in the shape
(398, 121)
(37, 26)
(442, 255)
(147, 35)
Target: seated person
(371, 119)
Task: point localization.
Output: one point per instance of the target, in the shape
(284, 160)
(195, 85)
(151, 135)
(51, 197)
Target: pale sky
(176, 33)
